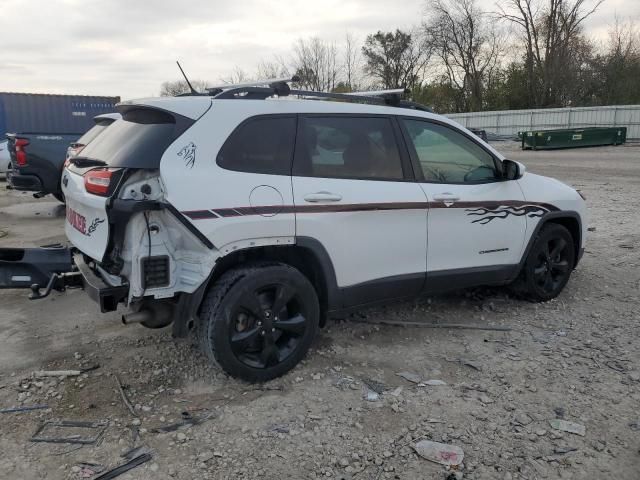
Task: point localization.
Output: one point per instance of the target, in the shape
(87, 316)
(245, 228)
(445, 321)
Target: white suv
(246, 216)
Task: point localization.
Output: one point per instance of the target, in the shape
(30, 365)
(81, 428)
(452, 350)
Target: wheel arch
(567, 218)
(307, 255)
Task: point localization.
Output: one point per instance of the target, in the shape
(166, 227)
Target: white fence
(508, 123)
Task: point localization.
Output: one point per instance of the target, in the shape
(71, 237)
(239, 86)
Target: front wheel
(257, 322)
(549, 264)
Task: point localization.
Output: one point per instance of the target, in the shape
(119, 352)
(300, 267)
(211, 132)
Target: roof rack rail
(270, 82)
(261, 90)
(381, 93)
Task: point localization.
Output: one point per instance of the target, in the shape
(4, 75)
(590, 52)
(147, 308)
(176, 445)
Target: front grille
(155, 272)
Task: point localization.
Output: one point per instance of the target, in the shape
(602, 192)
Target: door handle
(446, 197)
(322, 197)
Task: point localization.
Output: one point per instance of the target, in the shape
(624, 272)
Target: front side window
(260, 145)
(347, 147)
(447, 156)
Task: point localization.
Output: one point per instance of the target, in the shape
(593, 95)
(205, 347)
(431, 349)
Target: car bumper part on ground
(56, 267)
(23, 267)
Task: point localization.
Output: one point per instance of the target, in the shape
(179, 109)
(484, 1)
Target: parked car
(37, 160)
(101, 122)
(247, 221)
(5, 158)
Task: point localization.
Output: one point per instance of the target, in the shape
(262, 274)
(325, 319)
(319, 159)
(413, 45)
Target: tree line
(525, 54)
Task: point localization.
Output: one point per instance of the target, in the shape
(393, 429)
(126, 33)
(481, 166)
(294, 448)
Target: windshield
(138, 140)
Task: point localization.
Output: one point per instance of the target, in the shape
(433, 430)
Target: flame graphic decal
(489, 214)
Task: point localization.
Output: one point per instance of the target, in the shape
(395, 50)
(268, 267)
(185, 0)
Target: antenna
(193, 90)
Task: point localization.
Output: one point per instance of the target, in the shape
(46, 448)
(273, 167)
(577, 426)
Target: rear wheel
(549, 264)
(258, 322)
(59, 196)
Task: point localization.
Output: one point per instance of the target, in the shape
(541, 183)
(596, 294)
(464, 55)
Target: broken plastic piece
(441, 453)
(565, 426)
(412, 377)
(433, 383)
(26, 408)
(370, 395)
(57, 373)
(125, 467)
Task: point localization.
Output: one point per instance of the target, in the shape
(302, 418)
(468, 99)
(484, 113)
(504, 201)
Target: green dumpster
(572, 138)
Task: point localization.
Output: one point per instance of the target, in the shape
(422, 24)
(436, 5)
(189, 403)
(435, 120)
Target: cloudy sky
(128, 47)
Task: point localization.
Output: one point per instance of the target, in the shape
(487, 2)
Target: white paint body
(363, 246)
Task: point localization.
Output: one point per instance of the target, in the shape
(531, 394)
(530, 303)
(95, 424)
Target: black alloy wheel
(259, 321)
(550, 263)
(267, 325)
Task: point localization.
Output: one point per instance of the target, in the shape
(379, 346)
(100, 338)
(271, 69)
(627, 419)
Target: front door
(353, 193)
(477, 220)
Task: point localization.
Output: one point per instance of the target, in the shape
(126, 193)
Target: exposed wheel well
(302, 258)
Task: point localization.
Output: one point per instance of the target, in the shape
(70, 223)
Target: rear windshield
(93, 133)
(138, 140)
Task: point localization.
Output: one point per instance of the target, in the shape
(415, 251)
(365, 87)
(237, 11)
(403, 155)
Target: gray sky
(128, 47)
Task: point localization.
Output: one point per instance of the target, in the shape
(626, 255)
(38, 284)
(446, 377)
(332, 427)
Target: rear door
(353, 192)
(231, 176)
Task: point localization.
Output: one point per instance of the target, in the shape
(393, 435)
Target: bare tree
(624, 39)
(550, 29)
(316, 63)
(396, 59)
(352, 63)
(171, 89)
(238, 75)
(276, 68)
(467, 45)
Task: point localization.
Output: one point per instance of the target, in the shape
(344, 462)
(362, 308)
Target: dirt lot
(575, 358)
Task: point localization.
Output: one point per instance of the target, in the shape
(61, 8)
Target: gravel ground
(574, 358)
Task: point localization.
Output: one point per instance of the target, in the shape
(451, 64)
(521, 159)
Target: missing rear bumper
(107, 296)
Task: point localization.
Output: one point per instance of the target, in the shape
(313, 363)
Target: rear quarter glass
(138, 140)
(92, 133)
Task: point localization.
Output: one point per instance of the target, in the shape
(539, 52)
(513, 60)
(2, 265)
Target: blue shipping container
(61, 114)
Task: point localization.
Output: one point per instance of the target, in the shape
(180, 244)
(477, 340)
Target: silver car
(5, 158)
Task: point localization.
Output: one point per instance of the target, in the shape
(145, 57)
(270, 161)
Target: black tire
(60, 197)
(549, 264)
(239, 330)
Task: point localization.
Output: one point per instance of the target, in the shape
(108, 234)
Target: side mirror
(512, 170)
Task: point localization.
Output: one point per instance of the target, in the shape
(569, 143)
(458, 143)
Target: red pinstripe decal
(353, 207)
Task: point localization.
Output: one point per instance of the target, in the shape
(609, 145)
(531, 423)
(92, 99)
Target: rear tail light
(21, 155)
(98, 181)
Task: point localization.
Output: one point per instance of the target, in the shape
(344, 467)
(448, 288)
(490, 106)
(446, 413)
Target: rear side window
(93, 132)
(138, 140)
(347, 147)
(260, 145)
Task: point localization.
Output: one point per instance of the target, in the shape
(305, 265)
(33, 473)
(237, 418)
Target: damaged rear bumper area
(55, 267)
